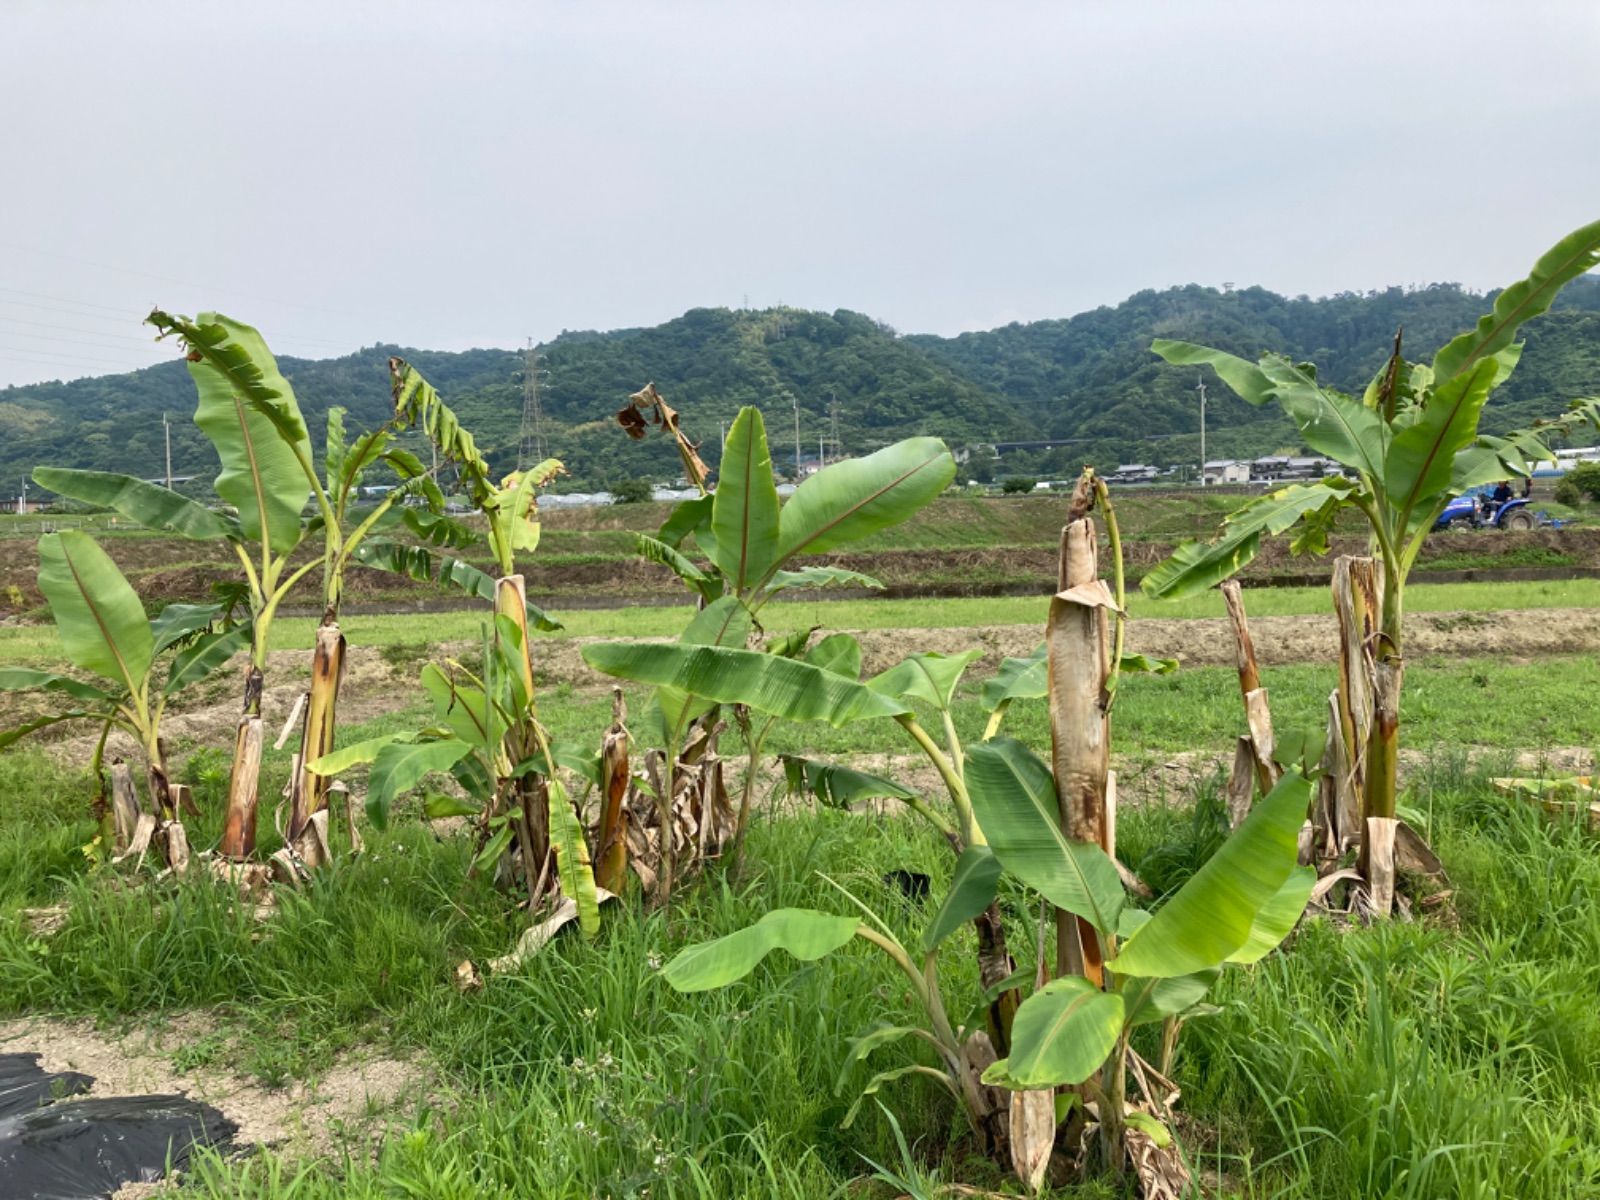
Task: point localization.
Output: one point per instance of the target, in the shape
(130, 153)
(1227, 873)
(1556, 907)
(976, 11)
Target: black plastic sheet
(53, 1147)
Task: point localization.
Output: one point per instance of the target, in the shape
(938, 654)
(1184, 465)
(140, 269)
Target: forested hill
(1091, 376)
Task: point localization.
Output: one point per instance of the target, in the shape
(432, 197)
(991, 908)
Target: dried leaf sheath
(309, 790)
(1078, 641)
(611, 858)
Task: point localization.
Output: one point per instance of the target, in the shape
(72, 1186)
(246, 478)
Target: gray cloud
(448, 175)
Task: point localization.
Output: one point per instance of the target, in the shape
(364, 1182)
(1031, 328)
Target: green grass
(37, 643)
(1414, 1060)
(1454, 1056)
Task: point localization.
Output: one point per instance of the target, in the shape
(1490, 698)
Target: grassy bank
(1438, 1058)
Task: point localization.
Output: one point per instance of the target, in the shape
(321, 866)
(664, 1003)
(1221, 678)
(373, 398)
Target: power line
(531, 447)
(123, 337)
(55, 358)
(168, 279)
(62, 299)
(128, 315)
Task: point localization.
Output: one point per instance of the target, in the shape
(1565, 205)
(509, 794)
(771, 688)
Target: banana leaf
(1014, 799)
(145, 504)
(857, 496)
(744, 510)
(1573, 255)
(782, 687)
(804, 933)
(98, 615)
(1061, 1034)
(248, 411)
(1212, 916)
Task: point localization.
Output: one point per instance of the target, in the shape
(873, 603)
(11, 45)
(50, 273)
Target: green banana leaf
(744, 510)
(1422, 455)
(927, 675)
(657, 551)
(146, 504)
(1148, 1000)
(822, 577)
(858, 496)
(1211, 917)
(686, 517)
(862, 1046)
(724, 622)
(1573, 255)
(1277, 917)
(803, 932)
(98, 615)
(839, 653)
(1017, 679)
(1014, 800)
(400, 766)
(417, 403)
(973, 887)
(204, 655)
(782, 687)
(1196, 566)
(436, 529)
(248, 411)
(1062, 1034)
(17, 732)
(176, 622)
(25, 679)
(461, 708)
(1344, 429)
(572, 857)
(837, 785)
(1246, 379)
(419, 563)
(336, 762)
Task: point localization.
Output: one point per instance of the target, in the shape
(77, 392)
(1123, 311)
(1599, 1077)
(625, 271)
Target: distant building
(1134, 473)
(1226, 470)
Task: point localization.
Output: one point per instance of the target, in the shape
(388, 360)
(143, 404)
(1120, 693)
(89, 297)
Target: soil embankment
(167, 570)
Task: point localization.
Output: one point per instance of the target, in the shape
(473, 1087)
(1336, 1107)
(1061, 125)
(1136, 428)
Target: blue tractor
(1481, 508)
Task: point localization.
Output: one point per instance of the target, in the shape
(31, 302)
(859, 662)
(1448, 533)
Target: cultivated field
(1452, 1055)
(879, 842)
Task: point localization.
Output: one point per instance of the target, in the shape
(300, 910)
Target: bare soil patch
(346, 1108)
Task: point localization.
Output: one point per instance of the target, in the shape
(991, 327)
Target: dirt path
(377, 681)
(1514, 633)
(345, 1108)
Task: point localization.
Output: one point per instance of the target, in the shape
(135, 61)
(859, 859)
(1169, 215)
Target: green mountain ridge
(1090, 378)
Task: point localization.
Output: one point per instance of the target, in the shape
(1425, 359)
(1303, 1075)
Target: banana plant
(248, 411)
(1068, 1033)
(1410, 443)
(473, 740)
(146, 663)
(528, 806)
(751, 545)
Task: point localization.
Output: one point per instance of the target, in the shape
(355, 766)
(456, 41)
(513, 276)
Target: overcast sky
(469, 174)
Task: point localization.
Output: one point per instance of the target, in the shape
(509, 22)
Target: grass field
(1416, 1060)
(34, 643)
(956, 545)
(1454, 1055)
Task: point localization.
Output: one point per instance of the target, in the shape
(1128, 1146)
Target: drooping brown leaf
(646, 408)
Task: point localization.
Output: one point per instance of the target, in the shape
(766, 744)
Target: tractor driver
(1501, 493)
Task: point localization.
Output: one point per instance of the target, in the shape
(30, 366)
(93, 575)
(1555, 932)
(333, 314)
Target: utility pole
(724, 439)
(1201, 387)
(166, 430)
(531, 448)
(796, 400)
(822, 452)
(22, 505)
